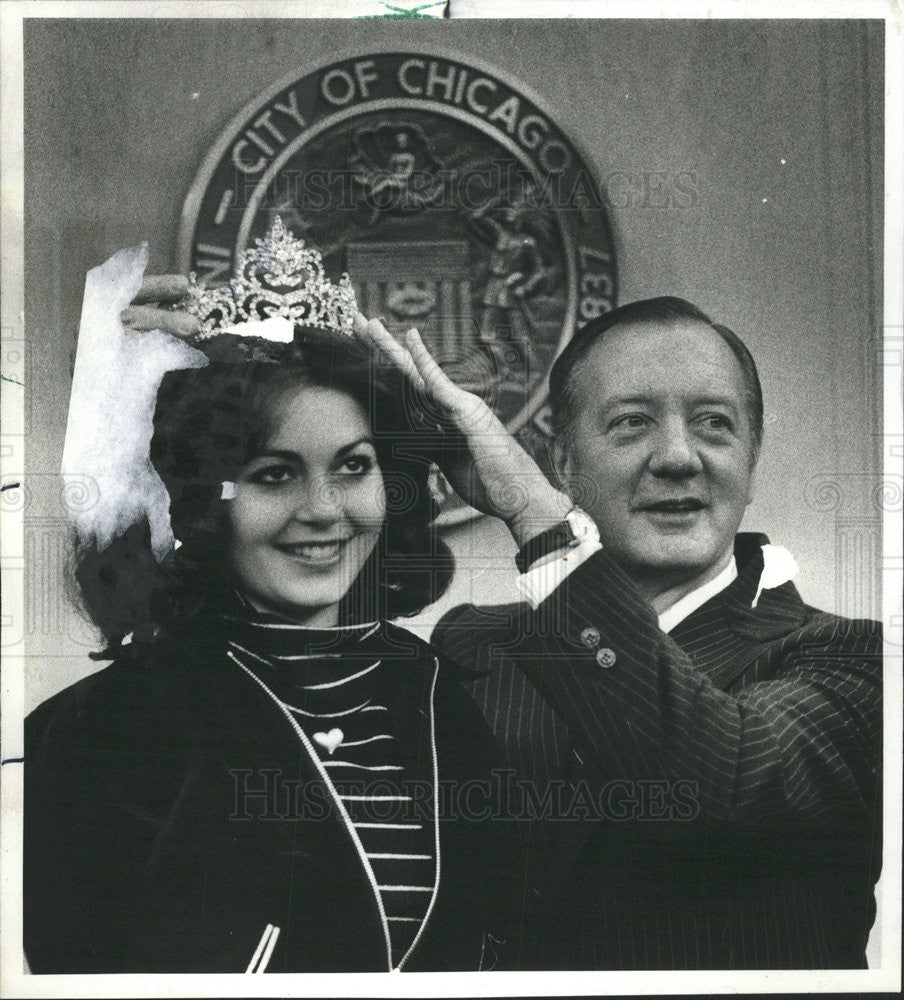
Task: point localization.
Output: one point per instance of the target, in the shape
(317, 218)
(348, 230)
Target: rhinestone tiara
(279, 278)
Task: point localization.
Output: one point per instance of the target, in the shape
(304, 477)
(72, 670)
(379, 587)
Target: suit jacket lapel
(725, 635)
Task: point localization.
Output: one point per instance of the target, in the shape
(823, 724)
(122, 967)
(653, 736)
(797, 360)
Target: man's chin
(682, 559)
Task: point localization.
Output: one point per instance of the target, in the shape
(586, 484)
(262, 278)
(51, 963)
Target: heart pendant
(329, 741)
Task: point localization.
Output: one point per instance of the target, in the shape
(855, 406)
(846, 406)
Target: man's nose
(675, 452)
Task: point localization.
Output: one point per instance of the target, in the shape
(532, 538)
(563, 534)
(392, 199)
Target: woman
(254, 782)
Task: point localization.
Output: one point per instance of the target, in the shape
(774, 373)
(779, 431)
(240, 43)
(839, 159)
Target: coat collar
(779, 609)
(724, 635)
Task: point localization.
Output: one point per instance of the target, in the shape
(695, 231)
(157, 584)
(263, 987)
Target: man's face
(660, 451)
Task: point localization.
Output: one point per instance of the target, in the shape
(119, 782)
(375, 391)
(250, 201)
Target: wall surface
(779, 122)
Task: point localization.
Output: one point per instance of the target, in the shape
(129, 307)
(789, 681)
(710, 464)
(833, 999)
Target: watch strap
(559, 536)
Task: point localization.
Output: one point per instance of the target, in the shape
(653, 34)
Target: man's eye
(716, 422)
(272, 475)
(356, 465)
(630, 421)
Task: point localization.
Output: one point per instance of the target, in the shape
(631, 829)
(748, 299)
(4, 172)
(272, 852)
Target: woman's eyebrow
(354, 444)
(286, 456)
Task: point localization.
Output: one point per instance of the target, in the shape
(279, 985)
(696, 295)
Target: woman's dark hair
(666, 309)
(208, 423)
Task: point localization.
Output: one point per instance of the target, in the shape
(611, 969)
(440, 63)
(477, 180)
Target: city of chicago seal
(448, 194)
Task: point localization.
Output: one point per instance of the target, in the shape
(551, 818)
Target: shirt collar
(697, 598)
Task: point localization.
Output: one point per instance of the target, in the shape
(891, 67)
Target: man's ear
(751, 482)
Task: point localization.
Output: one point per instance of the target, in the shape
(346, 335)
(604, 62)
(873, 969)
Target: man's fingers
(416, 362)
(438, 382)
(374, 333)
(179, 324)
(162, 288)
(468, 408)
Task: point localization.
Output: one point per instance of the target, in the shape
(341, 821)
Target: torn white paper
(111, 410)
(275, 328)
(779, 566)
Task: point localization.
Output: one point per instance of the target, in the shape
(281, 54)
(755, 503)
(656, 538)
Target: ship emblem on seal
(448, 194)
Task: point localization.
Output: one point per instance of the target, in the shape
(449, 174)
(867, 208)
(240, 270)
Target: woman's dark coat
(171, 814)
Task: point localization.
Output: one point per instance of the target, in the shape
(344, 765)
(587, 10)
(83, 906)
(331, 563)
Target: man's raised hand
(496, 476)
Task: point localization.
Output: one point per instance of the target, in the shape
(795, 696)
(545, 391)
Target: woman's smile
(316, 553)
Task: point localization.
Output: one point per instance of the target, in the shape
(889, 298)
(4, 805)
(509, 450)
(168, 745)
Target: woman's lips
(315, 553)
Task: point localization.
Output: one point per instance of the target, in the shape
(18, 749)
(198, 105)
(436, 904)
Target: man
(721, 739)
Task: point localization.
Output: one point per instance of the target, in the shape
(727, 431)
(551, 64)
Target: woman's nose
(675, 452)
(318, 499)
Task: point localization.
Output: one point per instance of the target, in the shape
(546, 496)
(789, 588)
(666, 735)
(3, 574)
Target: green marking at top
(6, 378)
(400, 12)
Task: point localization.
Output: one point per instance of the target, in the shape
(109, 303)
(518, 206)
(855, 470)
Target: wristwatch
(576, 528)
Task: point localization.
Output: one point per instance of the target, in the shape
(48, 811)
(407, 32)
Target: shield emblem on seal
(425, 284)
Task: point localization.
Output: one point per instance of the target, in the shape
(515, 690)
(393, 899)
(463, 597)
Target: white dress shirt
(547, 574)
(698, 597)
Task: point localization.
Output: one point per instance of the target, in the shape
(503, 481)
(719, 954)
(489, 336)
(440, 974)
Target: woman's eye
(356, 465)
(272, 475)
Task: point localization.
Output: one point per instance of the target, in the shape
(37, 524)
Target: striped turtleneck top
(335, 688)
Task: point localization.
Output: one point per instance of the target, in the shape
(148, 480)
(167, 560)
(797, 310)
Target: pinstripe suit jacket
(711, 796)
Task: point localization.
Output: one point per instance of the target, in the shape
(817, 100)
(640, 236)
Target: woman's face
(308, 507)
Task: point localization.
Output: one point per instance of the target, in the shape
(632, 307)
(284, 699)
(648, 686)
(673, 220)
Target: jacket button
(605, 657)
(590, 637)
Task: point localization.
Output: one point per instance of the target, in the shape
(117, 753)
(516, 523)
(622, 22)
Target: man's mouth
(678, 505)
(315, 552)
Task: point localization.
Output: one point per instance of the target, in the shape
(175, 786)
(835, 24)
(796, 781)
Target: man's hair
(665, 309)
(208, 423)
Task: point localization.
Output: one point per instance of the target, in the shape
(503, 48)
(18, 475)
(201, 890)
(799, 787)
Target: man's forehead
(657, 354)
(671, 332)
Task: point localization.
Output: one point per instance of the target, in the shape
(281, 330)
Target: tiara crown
(278, 280)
